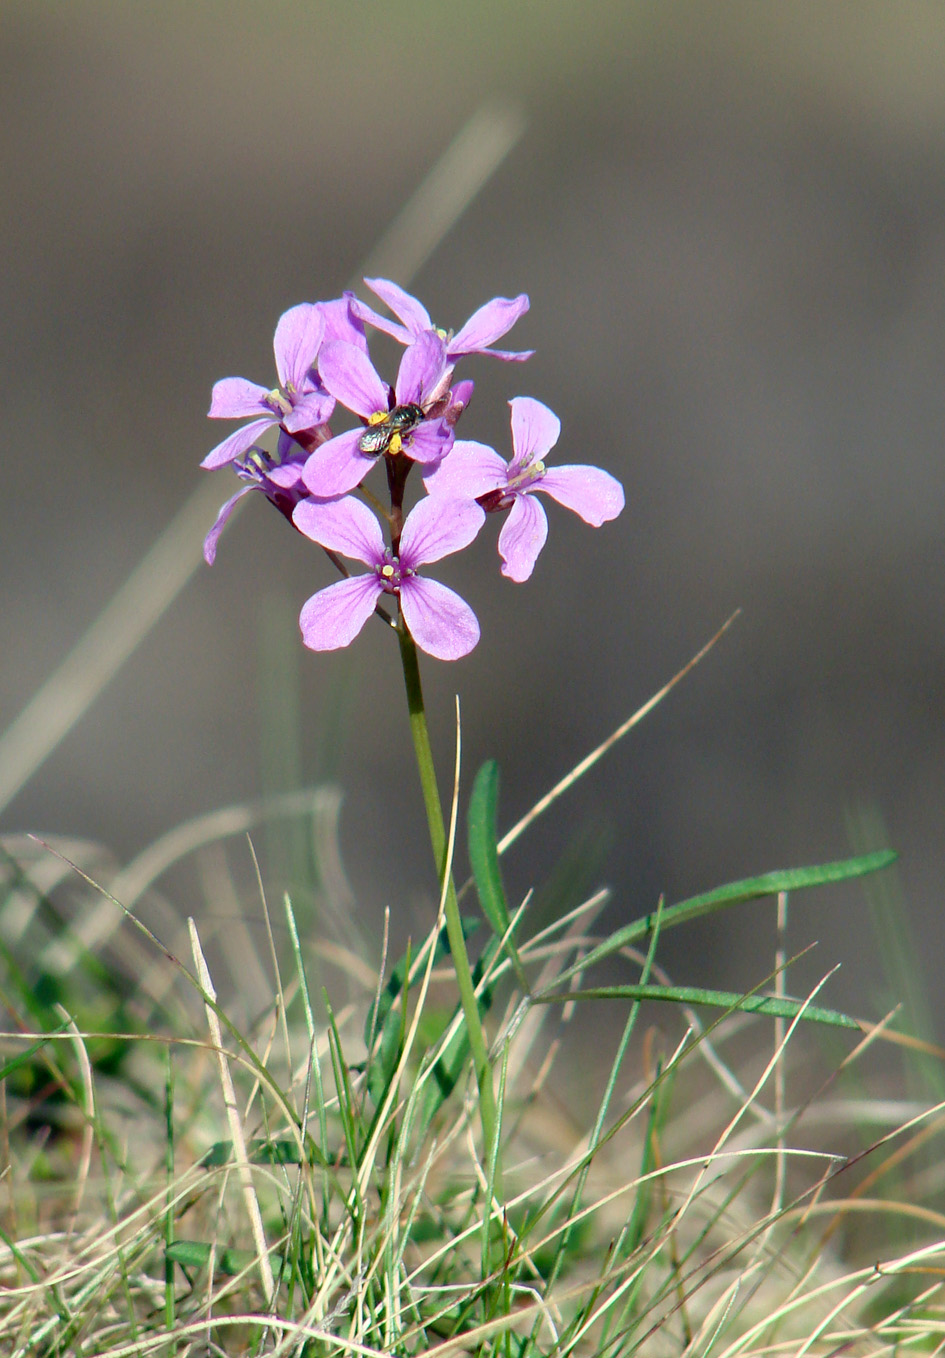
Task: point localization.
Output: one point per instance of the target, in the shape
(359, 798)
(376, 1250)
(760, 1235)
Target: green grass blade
(734, 893)
(26, 1056)
(770, 1005)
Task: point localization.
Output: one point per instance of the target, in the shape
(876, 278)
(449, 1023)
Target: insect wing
(375, 440)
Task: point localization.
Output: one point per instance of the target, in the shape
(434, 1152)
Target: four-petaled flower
(489, 323)
(396, 422)
(299, 402)
(440, 622)
(477, 472)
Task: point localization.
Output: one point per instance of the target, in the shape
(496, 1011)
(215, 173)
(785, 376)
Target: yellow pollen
(396, 444)
(387, 571)
(379, 417)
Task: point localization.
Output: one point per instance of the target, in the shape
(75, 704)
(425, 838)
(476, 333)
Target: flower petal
(334, 616)
(489, 323)
(238, 442)
(287, 473)
(309, 411)
(437, 527)
(219, 523)
(287, 477)
(522, 538)
(341, 322)
(461, 395)
(422, 366)
(590, 491)
(471, 469)
(440, 622)
(406, 308)
(535, 430)
(389, 327)
(236, 397)
(348, 373)
(337, 466)
(299, 332)
(345, 526)
(429, 442)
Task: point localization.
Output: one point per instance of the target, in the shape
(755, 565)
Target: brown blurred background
(731, 223)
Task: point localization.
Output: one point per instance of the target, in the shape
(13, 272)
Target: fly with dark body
(385, 435)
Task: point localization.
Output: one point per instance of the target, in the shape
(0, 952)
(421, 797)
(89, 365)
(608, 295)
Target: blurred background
(731, 223)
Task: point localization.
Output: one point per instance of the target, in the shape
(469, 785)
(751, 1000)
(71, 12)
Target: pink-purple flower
(278, 476)
(476, 471)
(484, 326)
(406, 420)
(440, 622)
(300, 402)
(322, 359)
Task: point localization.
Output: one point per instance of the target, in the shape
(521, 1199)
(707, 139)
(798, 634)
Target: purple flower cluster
(322, 362)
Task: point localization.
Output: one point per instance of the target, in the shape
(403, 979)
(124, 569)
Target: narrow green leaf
(377, 1014)
(383, 1059)
(484, 859)
(26, 1056)
(774, 1006)
(260, 1152)
(455, 1055)
(196, 1254)
(347, 1109)
(733, 893)
(483, 853)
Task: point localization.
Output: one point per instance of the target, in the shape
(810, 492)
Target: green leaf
(749, 889)
(455, 1055)
(259, 1151)
(773, 1006)
(196, 1254)
(484, 859)
(377, 1014)
(483, 853)
(382, 1061)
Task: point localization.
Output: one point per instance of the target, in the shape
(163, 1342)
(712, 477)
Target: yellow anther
(387, 571)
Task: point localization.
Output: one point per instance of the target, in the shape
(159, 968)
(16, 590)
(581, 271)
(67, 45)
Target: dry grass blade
(588, 762)
(235, 1124)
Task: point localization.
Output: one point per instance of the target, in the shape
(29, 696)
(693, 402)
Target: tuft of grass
(185, 1174)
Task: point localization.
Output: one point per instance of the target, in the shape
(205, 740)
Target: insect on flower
(385, 432)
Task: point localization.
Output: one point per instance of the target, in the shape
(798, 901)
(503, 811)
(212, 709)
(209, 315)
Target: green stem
(454, 928)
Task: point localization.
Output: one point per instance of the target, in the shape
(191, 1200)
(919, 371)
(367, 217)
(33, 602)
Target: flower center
(392, 573)
(255, 464)
(278, 402)
(523, 478)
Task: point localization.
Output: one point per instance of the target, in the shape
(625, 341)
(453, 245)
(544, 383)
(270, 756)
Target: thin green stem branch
(454, 928)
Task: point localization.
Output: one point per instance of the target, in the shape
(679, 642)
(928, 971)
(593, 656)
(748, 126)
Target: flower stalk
(454, 927)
